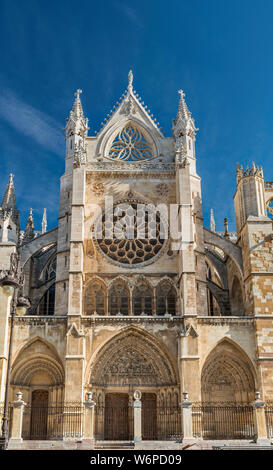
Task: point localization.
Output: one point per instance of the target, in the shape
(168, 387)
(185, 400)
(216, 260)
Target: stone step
(121, 445)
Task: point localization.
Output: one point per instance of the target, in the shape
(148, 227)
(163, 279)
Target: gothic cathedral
(114, 319)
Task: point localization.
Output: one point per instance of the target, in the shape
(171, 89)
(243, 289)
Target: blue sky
(218, 52)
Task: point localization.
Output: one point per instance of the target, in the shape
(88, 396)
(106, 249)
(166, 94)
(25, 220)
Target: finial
(78, 93)
(181, 93)
(11, 178)
(130, 80)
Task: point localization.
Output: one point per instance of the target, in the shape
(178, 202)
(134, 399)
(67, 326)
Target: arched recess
(142, 297)
(132, 358)
(109, 134)
(95, 297)
(236, 297)
(38, 364)
(119, 298)
(166, 298)
(228, 375)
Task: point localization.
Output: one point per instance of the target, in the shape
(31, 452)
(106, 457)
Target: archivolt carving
(226, 368)
(132, 358)
(25, 369)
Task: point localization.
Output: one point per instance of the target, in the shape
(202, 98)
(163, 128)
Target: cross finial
(181, 93)
(130, 80)
(11, 177)
(78, 93)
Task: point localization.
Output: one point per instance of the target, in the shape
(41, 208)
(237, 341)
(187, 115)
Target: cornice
(41, 320)
(121, 169)
(122, 320)
(206, 320)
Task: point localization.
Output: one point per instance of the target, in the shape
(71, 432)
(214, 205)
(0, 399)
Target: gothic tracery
(130, 145)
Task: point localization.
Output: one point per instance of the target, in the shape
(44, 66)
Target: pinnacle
(77, 106)
(182, 112)
(9, 199)
(29, 232)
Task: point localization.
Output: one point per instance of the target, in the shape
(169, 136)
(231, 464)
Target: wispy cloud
(130, 13)
(31, 122)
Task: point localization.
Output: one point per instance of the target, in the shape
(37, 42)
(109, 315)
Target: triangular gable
(189, 331)
(74, 331)
(130, 107)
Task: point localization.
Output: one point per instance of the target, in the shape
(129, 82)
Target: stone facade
(165, 317)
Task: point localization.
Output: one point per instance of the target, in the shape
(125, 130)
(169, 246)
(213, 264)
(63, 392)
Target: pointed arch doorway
(130, 361)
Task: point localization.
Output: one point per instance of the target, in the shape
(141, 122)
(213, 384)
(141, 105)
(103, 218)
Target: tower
(249, 198)
(254, 231)
(9, 223)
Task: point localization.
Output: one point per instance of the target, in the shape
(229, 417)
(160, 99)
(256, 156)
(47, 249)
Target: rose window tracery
(130, 145)
(132, 250)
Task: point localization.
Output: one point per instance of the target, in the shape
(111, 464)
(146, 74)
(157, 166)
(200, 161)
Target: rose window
(130, 145)
(126, 247)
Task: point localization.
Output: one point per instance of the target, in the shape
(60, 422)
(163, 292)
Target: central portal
(117, 416)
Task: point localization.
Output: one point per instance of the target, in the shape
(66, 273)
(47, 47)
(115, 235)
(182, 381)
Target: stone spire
(184, 123)
(212, 221)
(29, 231)
(77, 124)
(184, 134)
(183, 113)
(44, 222)
(9, 201)
(77, 106)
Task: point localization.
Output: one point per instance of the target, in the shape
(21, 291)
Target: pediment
(129, 113)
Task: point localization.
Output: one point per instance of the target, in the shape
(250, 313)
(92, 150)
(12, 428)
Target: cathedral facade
(176, 318)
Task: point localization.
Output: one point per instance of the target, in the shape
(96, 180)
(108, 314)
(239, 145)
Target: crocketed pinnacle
(77, 124)
(183, 114)
(29, 231)
(9, 199)
(77, 106)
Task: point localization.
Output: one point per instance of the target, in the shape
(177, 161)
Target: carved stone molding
(132, 358)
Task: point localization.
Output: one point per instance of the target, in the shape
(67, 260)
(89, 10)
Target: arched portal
(132, 360)
(227, 375)
(37, 372)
